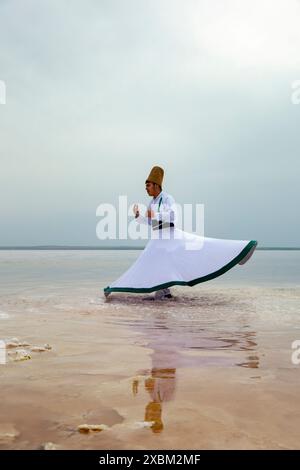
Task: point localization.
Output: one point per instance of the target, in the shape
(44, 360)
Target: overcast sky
(99, 91)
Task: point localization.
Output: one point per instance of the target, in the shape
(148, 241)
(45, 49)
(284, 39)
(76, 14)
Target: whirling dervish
(173, 256)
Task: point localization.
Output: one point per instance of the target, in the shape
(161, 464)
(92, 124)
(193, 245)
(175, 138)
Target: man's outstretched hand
(136, 210)
(150, 213)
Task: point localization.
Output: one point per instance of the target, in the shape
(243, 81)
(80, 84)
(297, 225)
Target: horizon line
(118, 247)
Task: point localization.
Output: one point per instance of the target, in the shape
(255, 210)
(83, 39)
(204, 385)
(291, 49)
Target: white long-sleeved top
(163, 207)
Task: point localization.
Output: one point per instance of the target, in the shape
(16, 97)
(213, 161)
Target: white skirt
(174, 257)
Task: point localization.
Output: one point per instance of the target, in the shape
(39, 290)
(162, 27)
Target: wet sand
(209, 369)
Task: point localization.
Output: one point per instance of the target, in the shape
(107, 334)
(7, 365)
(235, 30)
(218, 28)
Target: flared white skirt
(174, 257)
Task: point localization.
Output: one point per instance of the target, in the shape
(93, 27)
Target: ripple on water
(213, 322)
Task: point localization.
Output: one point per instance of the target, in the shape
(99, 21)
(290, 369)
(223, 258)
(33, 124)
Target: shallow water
(21, 269)
(214, 360)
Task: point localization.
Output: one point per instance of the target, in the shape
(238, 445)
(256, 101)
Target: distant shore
(78, 247)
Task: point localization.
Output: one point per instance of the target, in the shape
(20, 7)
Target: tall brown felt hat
(156, 175)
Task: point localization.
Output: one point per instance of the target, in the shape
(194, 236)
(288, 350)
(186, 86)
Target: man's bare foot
(163, 294)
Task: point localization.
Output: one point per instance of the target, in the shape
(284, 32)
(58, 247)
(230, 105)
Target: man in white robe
(160, 212)
(184, 259)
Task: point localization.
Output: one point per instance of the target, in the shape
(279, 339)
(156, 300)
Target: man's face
(150, 188)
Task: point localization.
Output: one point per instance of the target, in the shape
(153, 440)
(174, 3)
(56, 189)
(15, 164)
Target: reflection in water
(161, 387)
(251, 363)
(185, 335)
